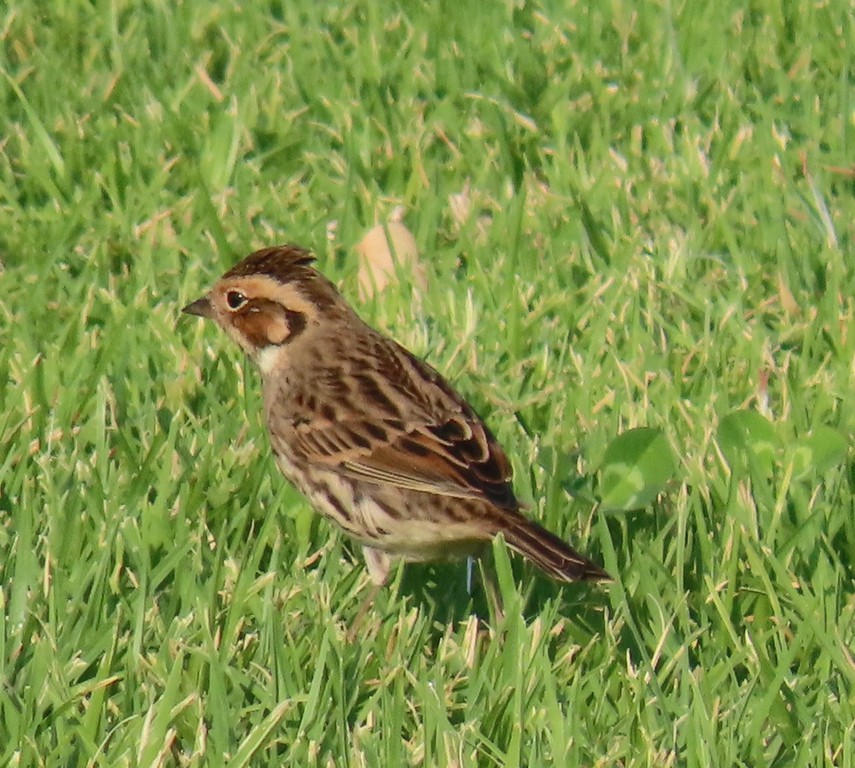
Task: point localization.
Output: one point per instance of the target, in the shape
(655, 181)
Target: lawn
(629, 215)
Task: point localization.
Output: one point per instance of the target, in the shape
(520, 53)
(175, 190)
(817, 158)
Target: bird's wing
(458, 457)
(402, 425)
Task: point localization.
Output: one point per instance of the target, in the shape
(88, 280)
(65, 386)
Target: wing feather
(398, 422)
(456, 458)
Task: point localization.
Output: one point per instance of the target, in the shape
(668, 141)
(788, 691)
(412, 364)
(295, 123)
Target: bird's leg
(470, 575)
(379, 566)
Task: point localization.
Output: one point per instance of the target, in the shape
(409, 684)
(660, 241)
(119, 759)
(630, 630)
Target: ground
(627, 214)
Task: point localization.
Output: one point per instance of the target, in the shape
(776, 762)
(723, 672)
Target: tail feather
(549, 553)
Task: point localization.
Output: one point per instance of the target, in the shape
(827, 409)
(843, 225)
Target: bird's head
(270, 300)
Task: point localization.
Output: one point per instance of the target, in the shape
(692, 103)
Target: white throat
(268, 358)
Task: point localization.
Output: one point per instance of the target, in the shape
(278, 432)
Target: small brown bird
(374, 437)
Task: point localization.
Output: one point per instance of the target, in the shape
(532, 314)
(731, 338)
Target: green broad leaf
(563, 465)
(822, 449)
(748, 440)
(580, 487)
(636, 467)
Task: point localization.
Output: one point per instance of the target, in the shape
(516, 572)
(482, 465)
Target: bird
(374, 437)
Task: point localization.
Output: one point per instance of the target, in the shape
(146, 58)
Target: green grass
(662, 217)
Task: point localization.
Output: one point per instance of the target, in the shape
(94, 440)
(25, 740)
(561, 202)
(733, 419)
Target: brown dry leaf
(384, 249)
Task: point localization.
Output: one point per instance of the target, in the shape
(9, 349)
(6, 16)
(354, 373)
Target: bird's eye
(235, 299)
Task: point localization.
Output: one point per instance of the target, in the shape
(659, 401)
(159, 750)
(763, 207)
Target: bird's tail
(548, 552)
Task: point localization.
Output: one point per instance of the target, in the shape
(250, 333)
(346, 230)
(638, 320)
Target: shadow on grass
(440, 592)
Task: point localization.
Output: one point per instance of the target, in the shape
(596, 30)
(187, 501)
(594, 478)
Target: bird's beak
(201, 307)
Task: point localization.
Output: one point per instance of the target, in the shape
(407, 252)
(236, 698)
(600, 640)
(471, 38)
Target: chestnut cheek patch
(265, 323)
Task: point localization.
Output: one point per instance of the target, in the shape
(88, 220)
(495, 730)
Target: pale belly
(405, 524)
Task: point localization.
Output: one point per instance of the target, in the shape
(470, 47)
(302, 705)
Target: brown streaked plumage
(374, 437)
